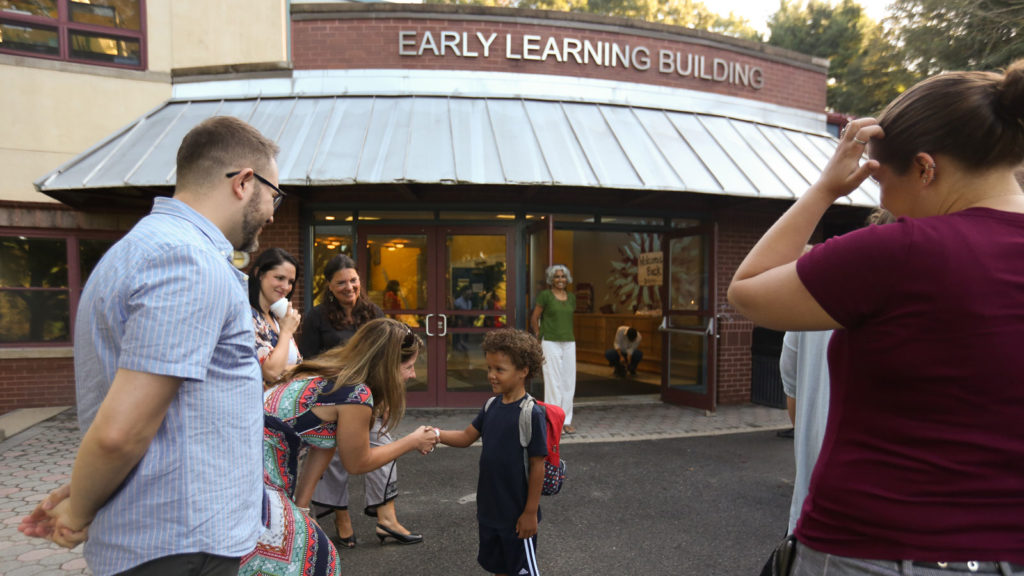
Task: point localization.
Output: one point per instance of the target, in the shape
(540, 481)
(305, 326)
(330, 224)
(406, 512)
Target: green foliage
(826, 31)
(960, 34)
(874, 78)
(687, 13)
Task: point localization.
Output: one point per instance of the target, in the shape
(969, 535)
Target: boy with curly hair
(507, 497)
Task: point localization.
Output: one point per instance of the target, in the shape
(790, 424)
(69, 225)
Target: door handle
(444, 325)
(429, 316)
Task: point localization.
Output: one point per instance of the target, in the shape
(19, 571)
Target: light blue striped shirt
(166, 300)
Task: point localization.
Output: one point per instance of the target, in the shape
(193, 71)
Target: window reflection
(29, 38)
(93, 31)
(45, 8)
(122, 14)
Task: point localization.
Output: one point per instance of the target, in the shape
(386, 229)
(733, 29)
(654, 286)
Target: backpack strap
(526, 404)
(525, 420)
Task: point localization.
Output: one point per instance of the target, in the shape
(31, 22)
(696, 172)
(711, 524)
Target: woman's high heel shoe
(383, 532)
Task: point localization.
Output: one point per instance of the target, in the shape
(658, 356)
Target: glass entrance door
(688, 322)
(450, 285)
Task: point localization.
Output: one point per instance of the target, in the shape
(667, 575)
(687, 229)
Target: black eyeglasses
(278, 193)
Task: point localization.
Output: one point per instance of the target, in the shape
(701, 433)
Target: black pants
(197, 564)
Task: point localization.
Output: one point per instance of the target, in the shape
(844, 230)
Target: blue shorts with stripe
(503, 552)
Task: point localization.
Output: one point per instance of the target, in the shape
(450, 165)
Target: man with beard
(168, 477)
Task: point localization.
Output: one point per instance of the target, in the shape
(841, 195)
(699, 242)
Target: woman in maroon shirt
(923, 459)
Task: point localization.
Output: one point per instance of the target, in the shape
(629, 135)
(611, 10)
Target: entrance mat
(587, 385)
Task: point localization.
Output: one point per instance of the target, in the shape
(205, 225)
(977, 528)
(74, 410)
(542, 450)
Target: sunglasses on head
(409, 340)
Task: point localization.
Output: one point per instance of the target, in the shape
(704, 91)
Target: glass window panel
(396, 275)
(377, 215)
(34, 316)
(89, 254)
(686, 274)
(122, 14)
(466, 366)
(105, 49)
(331, 216)
(489, 216)
(45, 8)
(559, 218)
(33, 262)
(27, 38)
(684, 222)
(328, 241)
(605, 275)
(633, 220)
(686, 362)
(476, 276)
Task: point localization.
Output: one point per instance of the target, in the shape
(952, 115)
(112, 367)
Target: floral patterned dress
(293, 543)
(267, 339)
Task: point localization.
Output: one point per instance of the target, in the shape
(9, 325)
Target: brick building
(445, 148)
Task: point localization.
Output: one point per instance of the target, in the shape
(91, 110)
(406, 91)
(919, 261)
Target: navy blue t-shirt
(501, 489)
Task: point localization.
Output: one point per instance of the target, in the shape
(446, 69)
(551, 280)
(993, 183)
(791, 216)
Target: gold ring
(859, 141)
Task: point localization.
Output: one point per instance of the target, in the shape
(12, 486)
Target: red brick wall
(285, 233)
(738, 230)
(36, 382)
(373, 43)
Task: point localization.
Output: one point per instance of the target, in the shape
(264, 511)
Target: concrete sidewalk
(39, 459)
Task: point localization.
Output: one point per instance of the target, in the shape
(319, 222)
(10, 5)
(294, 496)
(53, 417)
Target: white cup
(279, 308)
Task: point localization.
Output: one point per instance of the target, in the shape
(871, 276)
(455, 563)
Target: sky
(758, 11)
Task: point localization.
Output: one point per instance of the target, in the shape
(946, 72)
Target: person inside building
(625, 353)
(922, 463)
(168, 391)
(463, 302)
(392, 298)
(328, 405)
(552, 322)
(271, 280)
(343, 310)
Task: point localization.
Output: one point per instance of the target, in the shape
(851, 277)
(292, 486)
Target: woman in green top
(556, 306)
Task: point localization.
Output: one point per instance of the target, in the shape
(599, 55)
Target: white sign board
(648, 269)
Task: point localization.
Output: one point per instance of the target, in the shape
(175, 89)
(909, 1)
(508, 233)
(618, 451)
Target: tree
(825, 31)
(687, 13)
(960, 34)
(874, 78)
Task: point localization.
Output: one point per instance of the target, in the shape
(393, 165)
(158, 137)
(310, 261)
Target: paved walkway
(39, 459)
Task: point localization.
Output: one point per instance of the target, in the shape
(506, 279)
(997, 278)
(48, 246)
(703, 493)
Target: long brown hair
(373, 356)
(362, 311)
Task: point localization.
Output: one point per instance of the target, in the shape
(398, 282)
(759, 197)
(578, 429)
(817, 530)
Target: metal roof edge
(81, 156)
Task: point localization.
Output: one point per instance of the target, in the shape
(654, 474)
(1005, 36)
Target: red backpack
(554, 466)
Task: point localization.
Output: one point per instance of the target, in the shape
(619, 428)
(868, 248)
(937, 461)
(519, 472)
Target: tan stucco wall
(59, 114)
(57, 110)
(208, 33)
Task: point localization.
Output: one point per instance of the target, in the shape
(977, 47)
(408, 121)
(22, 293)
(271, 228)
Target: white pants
(560, 375)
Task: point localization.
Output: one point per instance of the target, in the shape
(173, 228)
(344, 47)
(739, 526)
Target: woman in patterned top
(330, 402)
(271, 278)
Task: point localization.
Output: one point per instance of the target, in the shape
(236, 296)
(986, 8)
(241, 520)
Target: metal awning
(352, 140)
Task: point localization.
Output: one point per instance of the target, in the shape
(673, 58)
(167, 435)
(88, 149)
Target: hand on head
(844, 171)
